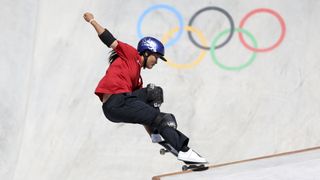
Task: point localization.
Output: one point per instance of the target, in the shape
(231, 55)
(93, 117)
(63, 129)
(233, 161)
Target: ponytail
(113, 56)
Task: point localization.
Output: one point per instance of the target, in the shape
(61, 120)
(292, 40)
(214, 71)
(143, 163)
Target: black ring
(217, 9)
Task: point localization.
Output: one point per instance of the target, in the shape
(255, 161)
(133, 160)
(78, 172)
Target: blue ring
(167, 7)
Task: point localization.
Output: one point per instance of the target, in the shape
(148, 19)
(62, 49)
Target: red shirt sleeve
(125, 51)
(123, 75)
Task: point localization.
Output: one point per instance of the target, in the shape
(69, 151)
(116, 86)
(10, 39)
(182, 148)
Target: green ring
(232, 68)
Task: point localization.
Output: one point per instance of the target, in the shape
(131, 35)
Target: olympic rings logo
(173, 35)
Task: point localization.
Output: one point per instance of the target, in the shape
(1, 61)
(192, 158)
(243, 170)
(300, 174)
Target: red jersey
(123, 75)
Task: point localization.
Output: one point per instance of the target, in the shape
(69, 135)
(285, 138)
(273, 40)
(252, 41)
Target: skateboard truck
(194, 167)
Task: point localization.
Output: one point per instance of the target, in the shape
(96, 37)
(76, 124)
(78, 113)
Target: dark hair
(113, 56)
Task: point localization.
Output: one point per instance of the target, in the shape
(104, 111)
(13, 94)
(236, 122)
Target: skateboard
(187, 165)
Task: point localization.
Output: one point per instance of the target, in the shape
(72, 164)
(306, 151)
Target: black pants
(133, 108)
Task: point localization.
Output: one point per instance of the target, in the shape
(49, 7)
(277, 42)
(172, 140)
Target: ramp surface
(296, 165)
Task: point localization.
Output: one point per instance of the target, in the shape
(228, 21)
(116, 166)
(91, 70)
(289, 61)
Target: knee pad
(164, 120)
(154, 95)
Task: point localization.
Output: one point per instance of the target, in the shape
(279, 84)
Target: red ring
(281, 21)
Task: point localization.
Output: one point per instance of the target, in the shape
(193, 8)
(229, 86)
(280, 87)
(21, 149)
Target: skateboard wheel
(162, 151)
(184, 168)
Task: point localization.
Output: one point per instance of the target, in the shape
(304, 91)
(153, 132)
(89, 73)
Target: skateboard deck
(187, 165)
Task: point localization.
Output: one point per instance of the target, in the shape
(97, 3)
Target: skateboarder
(125, 101)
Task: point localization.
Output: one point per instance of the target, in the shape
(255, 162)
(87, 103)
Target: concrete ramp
(296, 165)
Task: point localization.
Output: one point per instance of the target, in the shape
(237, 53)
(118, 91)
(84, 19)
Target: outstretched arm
(105, 36)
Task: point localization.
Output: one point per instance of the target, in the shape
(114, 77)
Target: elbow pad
(107, 38)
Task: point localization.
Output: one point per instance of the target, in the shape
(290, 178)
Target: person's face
(152, 60)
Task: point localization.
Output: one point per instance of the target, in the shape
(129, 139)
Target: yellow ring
(202, 54)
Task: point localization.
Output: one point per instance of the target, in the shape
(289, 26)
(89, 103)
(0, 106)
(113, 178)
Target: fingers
(88, 16)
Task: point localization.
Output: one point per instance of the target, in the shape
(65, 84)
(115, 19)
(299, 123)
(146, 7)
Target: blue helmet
(151, 44)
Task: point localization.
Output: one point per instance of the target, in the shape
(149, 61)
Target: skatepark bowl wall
(242, 80)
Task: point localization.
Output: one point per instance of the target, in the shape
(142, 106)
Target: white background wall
(51, 123)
